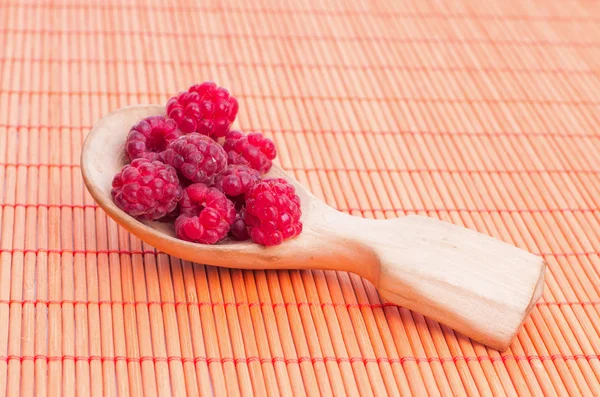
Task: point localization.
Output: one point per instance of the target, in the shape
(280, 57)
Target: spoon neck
(340, 244)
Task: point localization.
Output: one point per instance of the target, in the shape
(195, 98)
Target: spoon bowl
(477, 285)
(104, 155)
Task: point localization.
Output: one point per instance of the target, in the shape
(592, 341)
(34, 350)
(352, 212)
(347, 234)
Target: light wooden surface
(477, 285)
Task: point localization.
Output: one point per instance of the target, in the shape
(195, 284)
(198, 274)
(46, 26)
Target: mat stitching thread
(284, 97)
(152, 252)
(312, 12)
(378, 170)
(318, 66)
(408, 210)
(478, 134)
(322, 305)
(300, 360)
(308, 37)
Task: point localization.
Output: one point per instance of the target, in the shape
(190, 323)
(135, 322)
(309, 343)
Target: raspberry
(149, 137)
(236, 180)
(253, 150)
(171, 216)
(197, 157)
(205, 108)
(272, 212)
(146, 189)
(238, 228)
(206, 214)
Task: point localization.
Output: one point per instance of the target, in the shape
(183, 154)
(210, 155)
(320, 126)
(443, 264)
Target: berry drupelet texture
(205, 216)
(197, 157)
(150, 137)
(237, 180)
(253, 150)
(205, 108)
(171, 216)
(146, 189)
(272, 212)
(238, 230)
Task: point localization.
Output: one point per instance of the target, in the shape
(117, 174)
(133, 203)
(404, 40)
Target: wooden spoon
(477, 285)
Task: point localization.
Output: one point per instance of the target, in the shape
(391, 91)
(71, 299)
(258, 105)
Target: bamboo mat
(482, 113)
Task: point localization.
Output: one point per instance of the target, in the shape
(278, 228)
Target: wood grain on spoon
(477, 285)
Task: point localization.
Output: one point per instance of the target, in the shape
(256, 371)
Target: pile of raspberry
(190, 168)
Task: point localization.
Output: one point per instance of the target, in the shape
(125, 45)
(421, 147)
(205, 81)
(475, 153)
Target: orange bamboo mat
(482, 113)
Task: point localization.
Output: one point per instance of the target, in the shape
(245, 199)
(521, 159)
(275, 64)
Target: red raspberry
(206, 214)
(146, 189)
(236, 180)
(205, 108)
(253, 150)
(171, 216)
(272, 212)
(149, 137)
(238, 229)
(197, 157)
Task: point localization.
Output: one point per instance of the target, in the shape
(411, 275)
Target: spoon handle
(473, 283)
